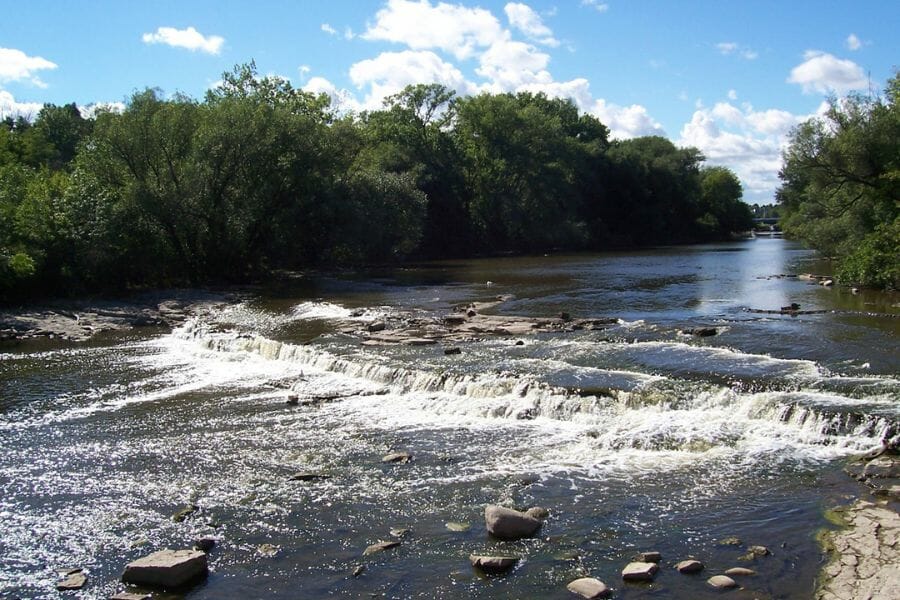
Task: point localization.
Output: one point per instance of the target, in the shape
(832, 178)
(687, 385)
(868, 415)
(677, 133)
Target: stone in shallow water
(74, 580)
(267, 550)
(457, 526)
(651, 557)
(509, 524)
(538, 512)
(130, 596)
(689, 566)
(740, 571)
(721, 582)
(380, 547)
(185, 512)
(588, 587)
(166, 568)
(493, 564)
(397, 457)
(639, 571)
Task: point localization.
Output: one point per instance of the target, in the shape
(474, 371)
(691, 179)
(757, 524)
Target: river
(635, 436)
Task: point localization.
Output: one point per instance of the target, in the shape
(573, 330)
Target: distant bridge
(766, 221)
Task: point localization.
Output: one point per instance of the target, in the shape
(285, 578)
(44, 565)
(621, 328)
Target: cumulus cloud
(341, 100)
(328, 29)
(726, 48)
(390, 72)
(626, 122)
(9, 107)
(90, 111)
(455, 29)
(189, 38)
(15, 65)
(824, 73)
(596, 5)
(510, 65)
(746, 140)
(523, 18)
(853, 42)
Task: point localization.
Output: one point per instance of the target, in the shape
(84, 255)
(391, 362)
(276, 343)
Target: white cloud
(853, 42)
(189, 38)
(523, 18)
(341, 100)
(10, 108)
(823, 73)
(732, 95)
(509, 65)
(422, 26)
(726, 48)
(390, 72)
(15, 65)
(748, 141)
(328, 29)
(626, 122)
(348, 33)
(91, 110)
(596, 5)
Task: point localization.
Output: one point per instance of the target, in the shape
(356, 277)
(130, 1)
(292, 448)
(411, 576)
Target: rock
(452, 320)
(882, 467)
(307, 476)
(538, 512)
(453, 350)
(689, 566)
(458, 527)
(588, 587)
(397, 457)
(293, 400)
(471, 313)
(509, 524)
(380, 547)
(130, 596)
(399, 532)
(740, 572)
(564, 316)
(828, 283)
(701, 331)
(167, 568)
(721, 582)
(376, 326)
(650, 557)
(854, 290)
(730, 541)
(205, 544)
(639, 571)
(755, 552)
(792, 308)
(493, 564)
(520, 343)
(268, 550)
(74, 580)
(185, 512)
(358, 570)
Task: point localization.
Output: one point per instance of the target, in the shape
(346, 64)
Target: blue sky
(729, 77)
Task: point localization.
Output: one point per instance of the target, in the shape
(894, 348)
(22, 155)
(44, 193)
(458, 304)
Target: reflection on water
(635, 437)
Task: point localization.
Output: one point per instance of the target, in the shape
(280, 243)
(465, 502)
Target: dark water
(636, 437)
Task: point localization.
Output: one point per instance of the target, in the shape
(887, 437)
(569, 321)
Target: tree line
(840, 187)
(261, 176)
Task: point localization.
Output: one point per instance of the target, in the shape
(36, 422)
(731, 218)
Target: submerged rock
(185, 512)
(376, 326)
(639, 571)
(882, 467)
(308, 476)
(268, 550)
(721, 582)
(730, 541)
(397, 457)
(650, 557)
(456, 526)
(167, 568)
(399, 532)
(588, 587)
(689, 566)
(509, 524)
(358, 570)
(453, 350)
(493, 564)
(380, 547)
(205, 544)
(755, 552)
(701, 331)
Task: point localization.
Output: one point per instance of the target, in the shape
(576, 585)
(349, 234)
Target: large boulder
(509, 524)
(167, 568)
(588, 587)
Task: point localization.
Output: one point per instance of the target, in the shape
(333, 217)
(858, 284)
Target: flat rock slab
(689, 566)
(509, 524)
(740, 572)
(493, 564)
(167, 568)
(397, 458)
(865, 556)
(380, 547)
(588, 587)
(639, 571)
(130, 596)
(653, 557)
(721, 582)
(72, 581)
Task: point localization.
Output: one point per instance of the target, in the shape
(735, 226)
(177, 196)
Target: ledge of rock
(865, 557)
(167, 568)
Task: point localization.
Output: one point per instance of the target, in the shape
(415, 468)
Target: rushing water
(636, 437)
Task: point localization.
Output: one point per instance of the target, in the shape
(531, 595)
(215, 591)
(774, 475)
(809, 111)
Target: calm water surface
(636, 437)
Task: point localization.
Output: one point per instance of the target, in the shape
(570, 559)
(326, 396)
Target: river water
(635, 437)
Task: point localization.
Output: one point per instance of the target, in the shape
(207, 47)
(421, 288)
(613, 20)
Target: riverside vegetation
(261, 176)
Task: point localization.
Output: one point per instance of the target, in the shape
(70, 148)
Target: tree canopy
(260, 176)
